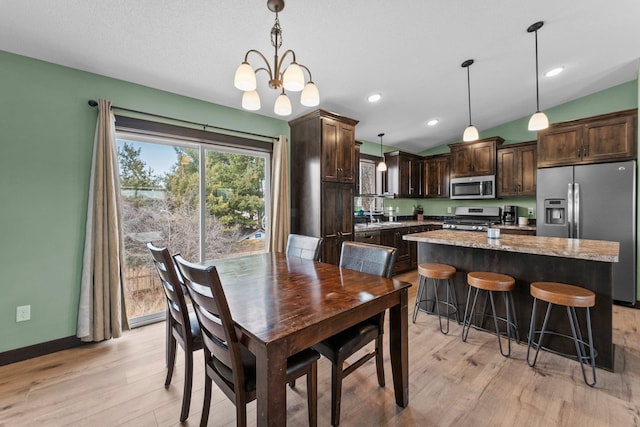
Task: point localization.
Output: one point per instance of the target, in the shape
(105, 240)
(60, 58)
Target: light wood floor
(120, 382)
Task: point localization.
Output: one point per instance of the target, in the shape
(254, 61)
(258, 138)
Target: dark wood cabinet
(338, 150)
(517, 164)
(393, 238)
(337, 227)
(436, 176)
(323, 175)
(518, 232)
(604, 138)
(474, 158)
(404, 174)
(413, 246)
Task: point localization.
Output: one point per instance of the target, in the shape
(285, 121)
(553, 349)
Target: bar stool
(436, 272)
(490, 283)
(571, 297)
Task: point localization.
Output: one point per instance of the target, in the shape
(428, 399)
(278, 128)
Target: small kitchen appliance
(509, 214)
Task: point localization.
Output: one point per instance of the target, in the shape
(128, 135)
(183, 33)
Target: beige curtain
(101, 313)
(280, 206)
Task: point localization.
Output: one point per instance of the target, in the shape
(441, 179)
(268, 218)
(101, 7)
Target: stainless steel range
(472, 218)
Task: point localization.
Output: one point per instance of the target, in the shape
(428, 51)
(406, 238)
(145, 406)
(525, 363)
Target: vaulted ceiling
(409, 51)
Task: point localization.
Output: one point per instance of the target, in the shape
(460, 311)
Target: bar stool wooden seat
(435, 273)
(571, 297)
(490, 282)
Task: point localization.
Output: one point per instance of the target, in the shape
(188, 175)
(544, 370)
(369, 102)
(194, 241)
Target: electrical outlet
(23, 312)
(530, 211)
(449, 208)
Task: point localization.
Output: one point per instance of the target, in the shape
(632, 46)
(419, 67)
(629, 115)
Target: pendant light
(382, 166)
(539, 119)
(471, 132)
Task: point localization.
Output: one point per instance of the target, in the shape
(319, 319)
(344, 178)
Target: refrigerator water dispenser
(555, 211)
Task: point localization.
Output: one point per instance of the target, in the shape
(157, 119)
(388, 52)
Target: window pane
(235, 203)
(160, 202)
(370, 180)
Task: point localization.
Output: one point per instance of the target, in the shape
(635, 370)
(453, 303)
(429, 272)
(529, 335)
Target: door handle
(576, 214)
(570, 206)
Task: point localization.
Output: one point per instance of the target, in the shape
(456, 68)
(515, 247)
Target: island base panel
(527, 268)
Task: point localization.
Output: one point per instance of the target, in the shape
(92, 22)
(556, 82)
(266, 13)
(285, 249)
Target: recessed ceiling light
(374, 97)
(554, 72)
(432, 122)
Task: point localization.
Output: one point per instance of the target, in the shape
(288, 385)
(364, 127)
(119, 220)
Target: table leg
(271, 393)
(399, 349)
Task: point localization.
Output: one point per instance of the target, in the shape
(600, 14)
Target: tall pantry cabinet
(323, 176)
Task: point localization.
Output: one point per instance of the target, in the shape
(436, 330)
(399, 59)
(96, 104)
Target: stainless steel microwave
(473, 187)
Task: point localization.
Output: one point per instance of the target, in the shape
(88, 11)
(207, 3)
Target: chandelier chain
(276, 34)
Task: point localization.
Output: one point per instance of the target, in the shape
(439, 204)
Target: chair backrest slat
(172, 286)
(211, 308)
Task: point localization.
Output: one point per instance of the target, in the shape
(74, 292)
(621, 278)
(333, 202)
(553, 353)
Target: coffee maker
(509, 214)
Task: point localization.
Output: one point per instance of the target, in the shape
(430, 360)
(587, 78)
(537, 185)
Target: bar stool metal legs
(432, 274)
(560, 294)
(490, 283)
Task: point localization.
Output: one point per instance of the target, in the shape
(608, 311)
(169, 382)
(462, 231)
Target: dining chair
(305, 247)
(182, 326)
(228, 363)
(372, 259)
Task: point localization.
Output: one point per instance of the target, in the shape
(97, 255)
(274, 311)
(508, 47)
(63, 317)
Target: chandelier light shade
(245, 78)
(310, 97)
(293, 78)
(471, 132)
(251, 100)
(283, 105)
(290, 77)
(382, 166)
(539, 119)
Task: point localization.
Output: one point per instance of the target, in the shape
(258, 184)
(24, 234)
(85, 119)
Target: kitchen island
(585, 263)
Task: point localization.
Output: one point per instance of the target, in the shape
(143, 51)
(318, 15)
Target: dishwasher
(372, 237)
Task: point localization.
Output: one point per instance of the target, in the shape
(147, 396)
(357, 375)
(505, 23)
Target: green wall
(47, 133)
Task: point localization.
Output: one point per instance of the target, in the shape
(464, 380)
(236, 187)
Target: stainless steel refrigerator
(596, 202)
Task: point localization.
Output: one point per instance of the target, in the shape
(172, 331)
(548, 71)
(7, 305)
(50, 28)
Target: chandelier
(290, 78)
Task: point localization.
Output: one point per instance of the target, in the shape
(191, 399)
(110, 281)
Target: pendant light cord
(469, 92)
(537, 85)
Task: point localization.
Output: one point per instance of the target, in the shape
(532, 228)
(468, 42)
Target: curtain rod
(94, 103)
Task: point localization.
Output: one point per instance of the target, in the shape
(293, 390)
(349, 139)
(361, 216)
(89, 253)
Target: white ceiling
(409, 50)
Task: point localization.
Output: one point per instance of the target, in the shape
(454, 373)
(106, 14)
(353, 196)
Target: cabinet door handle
(585, 151)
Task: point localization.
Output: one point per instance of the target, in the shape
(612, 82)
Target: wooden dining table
(281, 305)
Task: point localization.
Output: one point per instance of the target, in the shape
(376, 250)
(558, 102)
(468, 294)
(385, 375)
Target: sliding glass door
(201, 200)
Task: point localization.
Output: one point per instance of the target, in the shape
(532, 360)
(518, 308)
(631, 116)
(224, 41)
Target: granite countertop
(385, 225)
(593, 250)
